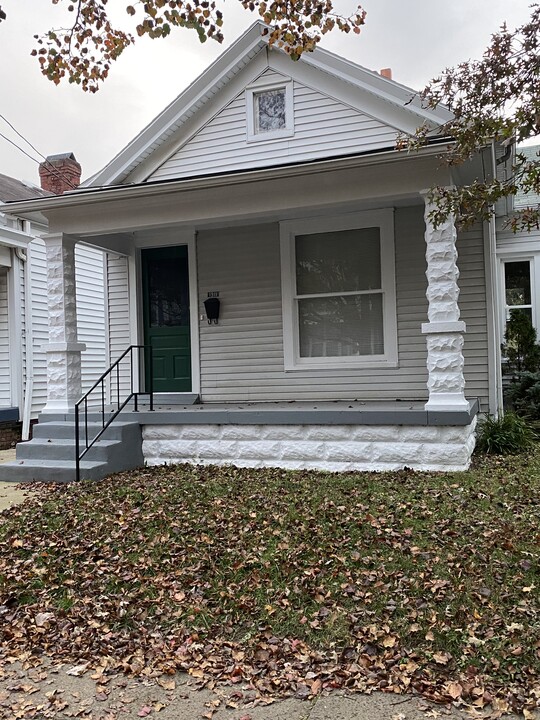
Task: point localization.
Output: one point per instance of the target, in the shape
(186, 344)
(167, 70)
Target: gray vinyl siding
(118, 315)
(473, 306)
(5, 383)
(222, 144)
(89, 277)
(242, 357)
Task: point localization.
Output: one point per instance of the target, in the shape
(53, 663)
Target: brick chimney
(60, 173)
(387, 73)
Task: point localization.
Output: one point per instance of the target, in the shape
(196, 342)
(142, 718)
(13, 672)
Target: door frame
(166, 238)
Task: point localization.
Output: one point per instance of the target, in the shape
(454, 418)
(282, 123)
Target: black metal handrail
(120, 405)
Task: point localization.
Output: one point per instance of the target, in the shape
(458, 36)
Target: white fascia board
(89, 197)
(386, 89)
(231, 61)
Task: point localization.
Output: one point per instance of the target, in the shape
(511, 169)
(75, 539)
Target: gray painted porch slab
(293, 413)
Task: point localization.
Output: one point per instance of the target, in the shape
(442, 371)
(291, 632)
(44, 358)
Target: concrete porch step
(50, 455)
(65, 429)
(64, 449)
(51, 470)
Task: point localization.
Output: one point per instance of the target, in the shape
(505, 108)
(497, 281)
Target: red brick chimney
(387, 73)
(59, 173)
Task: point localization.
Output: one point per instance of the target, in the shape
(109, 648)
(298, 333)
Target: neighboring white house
(518, 257)
(23, 304)
(347, 337)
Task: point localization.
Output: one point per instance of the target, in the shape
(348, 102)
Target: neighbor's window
(269, 112)
(339, 298)
(517, 287)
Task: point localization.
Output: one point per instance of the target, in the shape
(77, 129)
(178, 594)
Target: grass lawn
(299, 581)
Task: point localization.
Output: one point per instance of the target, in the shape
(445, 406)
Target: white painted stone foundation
(317, 447)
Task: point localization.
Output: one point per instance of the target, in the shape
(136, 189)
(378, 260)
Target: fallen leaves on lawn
(296, 583)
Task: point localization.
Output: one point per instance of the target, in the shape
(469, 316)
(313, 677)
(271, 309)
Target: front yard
(297, 581)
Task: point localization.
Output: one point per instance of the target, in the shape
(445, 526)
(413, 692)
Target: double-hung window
(517, 288)
(339, 307)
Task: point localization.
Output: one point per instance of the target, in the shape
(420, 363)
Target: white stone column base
(63, 376)
(447, 401)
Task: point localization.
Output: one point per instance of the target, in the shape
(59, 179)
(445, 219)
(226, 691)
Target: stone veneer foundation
(317, 447)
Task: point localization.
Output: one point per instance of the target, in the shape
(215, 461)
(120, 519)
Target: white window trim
(534, 261)
(384, 219)
(288, 130)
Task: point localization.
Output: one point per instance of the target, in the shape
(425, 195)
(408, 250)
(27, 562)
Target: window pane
(517, 277)
(270, 110)
(168, 292)
(342, 261)
(341, 326)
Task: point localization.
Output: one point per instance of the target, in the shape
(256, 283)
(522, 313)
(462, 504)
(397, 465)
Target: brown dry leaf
(78, 670)
(454, 689)
(167, 683)
(442, 658)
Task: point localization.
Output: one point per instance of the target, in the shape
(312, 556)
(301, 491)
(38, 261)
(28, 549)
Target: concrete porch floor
(337, 412)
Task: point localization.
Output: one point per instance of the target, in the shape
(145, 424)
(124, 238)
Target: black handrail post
(77, 446)
(118, 383)
(134, 394)
(86, 422)
(102, 404)
(151, 378)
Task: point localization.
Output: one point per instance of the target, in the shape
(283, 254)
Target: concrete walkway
(59, 694)
(10, 493)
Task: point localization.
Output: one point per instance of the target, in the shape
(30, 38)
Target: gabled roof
(385, 97)
(12, 190)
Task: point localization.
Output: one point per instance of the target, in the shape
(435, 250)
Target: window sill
(270, 136)
(390, 364)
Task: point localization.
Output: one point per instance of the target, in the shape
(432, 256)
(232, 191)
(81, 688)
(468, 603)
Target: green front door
(166, 317)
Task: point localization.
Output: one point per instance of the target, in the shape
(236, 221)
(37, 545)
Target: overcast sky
(416, 38)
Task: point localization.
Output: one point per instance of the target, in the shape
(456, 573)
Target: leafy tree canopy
(497, 97)
(83, 52)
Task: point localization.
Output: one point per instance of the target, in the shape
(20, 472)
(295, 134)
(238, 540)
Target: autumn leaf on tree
(83, 51)
(496, 98)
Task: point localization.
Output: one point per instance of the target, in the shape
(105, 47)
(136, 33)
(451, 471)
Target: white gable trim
(177, 112)
(226, 67)
(196, 122)
(358, 97)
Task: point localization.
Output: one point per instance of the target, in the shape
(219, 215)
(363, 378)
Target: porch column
(444, 331)
(63, 350)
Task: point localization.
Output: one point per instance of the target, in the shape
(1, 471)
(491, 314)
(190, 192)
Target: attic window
(269, 112)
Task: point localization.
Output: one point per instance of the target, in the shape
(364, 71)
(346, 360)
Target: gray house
(345, 337)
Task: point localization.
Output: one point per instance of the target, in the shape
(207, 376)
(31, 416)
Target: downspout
(25, 256)
(497, 392)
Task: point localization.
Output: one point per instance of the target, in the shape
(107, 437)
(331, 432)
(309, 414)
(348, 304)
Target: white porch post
(63, 350)
(444, 331)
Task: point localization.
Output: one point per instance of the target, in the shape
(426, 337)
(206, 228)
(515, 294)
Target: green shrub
(523, 395)
(520, 348)
(509, 434)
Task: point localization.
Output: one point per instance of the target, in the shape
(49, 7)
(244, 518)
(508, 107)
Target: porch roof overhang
(13, 238)
(240, 194)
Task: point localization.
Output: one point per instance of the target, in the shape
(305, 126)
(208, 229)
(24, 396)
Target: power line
(50, 166)
(19, 148)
